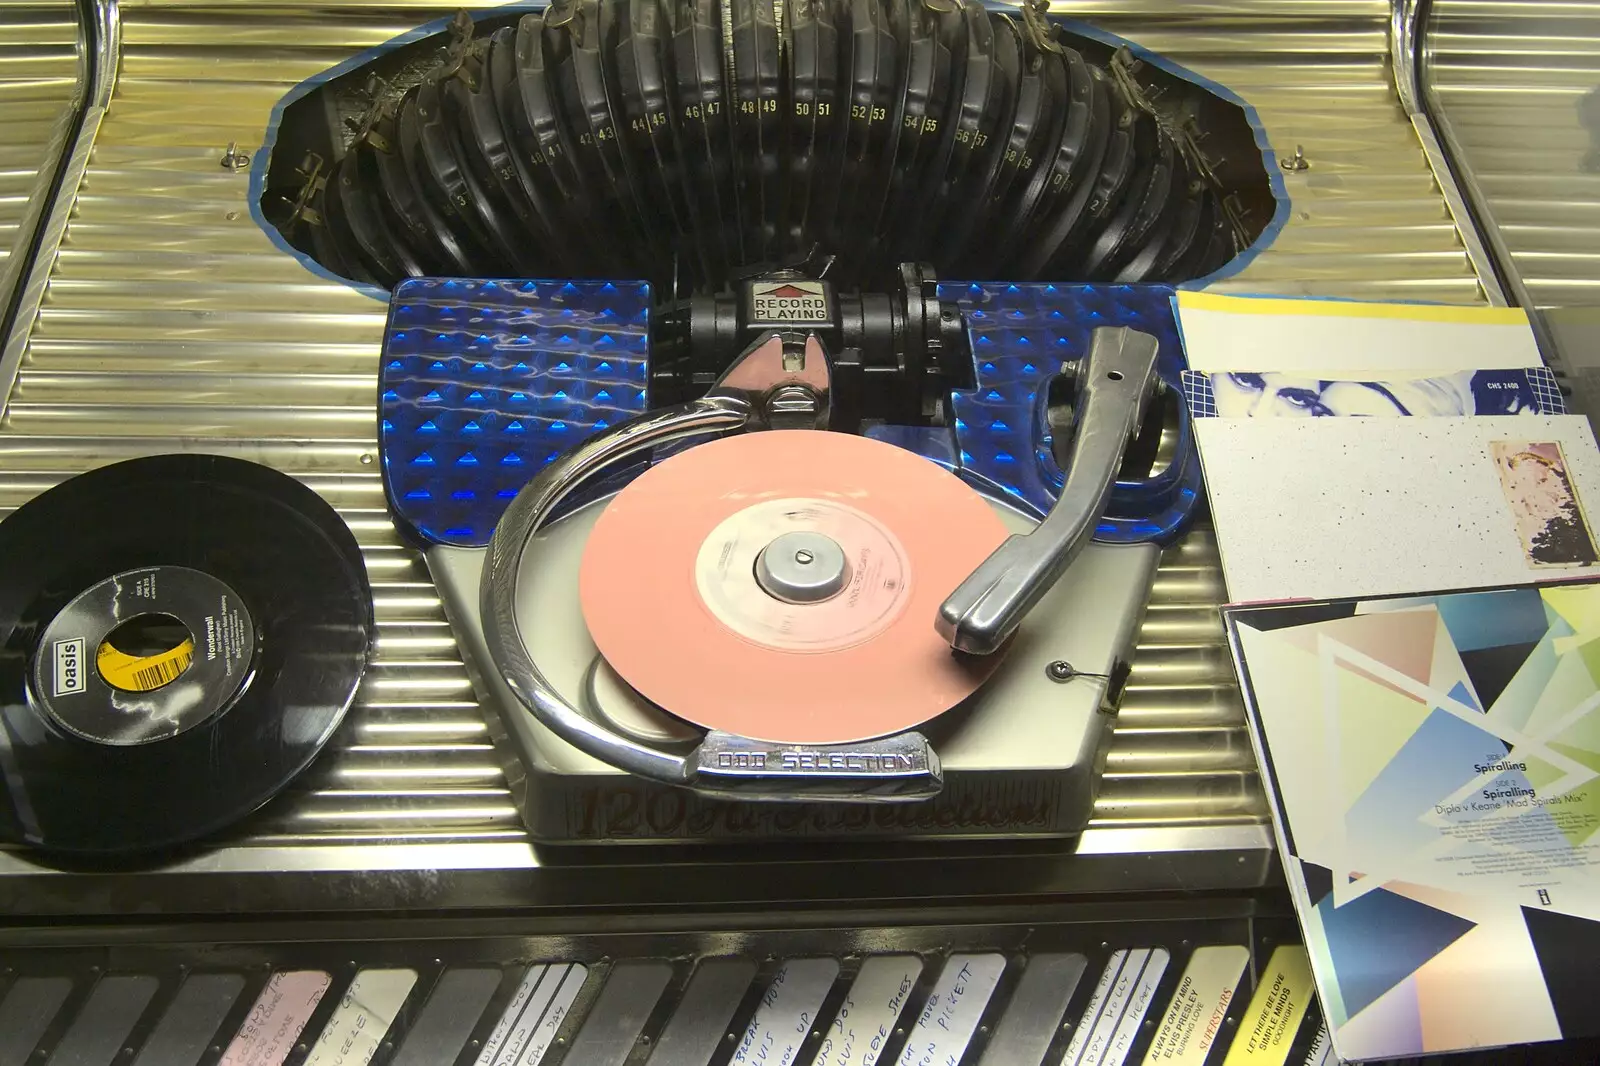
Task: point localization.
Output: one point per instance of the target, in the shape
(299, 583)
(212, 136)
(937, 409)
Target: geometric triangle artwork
(1271, 618)
(1403, 640)
(1461, 695)
(1567, 948)
(1491, 669)
(1380, 939)
(1488, 619)
(1318, 879)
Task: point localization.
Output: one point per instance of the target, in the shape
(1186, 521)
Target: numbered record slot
(758, 113)
(572, 54)
(420, 191)
(815, 116)
(436, 245)
(983, 152)
(870, 66)
(546, 148)
(637, 53)
(1041, 82)
(933, 83)
(703, 125)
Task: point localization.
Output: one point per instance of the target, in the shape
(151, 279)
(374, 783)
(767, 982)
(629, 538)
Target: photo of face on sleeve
(1297, 395)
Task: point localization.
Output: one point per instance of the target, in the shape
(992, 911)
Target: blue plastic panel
(483, 382)
(1021, 334)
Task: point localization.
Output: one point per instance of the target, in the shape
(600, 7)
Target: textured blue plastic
(483, 382)
(1021, 335)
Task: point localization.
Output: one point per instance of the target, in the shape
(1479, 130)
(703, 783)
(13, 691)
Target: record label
(875, 583)
(94, 685)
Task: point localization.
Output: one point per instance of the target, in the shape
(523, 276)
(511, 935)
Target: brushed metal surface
(42, 79)
(171, 322)
(1517, 85)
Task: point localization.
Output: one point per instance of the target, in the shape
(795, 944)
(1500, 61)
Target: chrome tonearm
(1114, 386)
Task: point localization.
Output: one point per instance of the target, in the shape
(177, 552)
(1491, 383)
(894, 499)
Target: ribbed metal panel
(1518, 85)
(39, 80)
(172, 322)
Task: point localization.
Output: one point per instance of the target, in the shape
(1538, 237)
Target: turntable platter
(783, 586)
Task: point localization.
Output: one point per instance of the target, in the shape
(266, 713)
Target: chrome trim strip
(102, 55)
(1407, 29)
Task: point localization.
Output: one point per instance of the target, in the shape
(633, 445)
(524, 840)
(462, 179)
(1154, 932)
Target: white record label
(787, 1013)
(363, 1018)
(876, 589)
(954, 1007)
(866, 1019)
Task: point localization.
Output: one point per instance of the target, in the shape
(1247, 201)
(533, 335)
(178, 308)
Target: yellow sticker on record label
(143, 673)
(1267, 1031)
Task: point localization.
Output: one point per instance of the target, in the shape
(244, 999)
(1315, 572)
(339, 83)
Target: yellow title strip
(1257, 305)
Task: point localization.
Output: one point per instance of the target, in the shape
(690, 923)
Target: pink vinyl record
(678, 594)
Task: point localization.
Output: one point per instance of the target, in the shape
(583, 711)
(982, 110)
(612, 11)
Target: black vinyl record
(387, 251)
(756, 84)
(639, 53)
(869, 63)
(490, 160)
(1082, 174)
(444, 158)
(338, 236)
(812, 48)
(936, 30)
(427, 198)
(703, 128)
(1036, 154)
(110, 748)
(974, 115)
(970, 200)
(549, 153)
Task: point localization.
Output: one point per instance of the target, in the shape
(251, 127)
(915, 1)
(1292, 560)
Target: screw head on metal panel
(234, 159)
(1297, 161)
